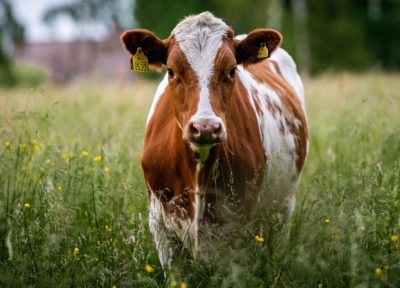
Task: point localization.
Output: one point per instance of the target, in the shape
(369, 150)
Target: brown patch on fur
(257, 104)
(173, 173)
(292, 106)
(164, 137)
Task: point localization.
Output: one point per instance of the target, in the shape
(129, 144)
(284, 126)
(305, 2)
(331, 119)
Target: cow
(226, 134)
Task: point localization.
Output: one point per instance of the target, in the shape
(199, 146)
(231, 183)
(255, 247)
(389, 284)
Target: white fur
(288, 69)
(200, 37)
(168, 230)
(281, 174)
(160, 91)
(157, 229)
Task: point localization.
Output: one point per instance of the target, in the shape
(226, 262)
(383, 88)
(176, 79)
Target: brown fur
(154, 48)
(290, 100)
(247, 50)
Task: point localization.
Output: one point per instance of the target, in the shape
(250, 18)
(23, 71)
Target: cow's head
(201, 57)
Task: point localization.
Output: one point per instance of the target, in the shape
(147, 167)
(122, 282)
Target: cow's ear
(251, 49)
(155, 49)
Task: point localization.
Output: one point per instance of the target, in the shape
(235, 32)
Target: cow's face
(201, 57)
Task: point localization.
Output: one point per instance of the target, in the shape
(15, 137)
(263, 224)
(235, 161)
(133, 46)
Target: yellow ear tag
(139, 61)
(263, 51)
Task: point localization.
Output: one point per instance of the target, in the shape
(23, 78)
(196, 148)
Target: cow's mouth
(205, 144)
(202, 150)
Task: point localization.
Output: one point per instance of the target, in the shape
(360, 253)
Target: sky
(30, 14)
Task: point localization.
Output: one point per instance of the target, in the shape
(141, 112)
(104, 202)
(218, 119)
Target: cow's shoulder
(286, 67)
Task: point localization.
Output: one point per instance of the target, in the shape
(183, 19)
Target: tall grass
(73, 205)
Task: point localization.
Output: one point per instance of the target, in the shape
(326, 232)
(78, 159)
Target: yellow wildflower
(378, 271)
(114, 286)
(76, 251)
(107, 169)
(327, 220)
(23, 145)
(184, 285)
(259, 239)
(7, 144)
(174, 283)
(67, 155)
(148, 268)
(49, 162)
(36, 148)
(108, 229)
(97, 158)
(34, 141)
(27, 205)
(85, 153)
(394, 237)
(59, 188)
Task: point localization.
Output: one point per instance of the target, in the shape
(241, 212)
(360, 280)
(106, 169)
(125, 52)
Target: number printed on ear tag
(139, 61)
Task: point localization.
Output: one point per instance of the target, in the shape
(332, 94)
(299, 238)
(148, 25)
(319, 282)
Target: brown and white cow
(226, 134)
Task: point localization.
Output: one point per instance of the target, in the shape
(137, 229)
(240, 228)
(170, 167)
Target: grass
(73, 204)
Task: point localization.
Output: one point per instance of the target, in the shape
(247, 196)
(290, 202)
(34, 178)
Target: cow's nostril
(205, 131)
(195, 131)
(216, 129)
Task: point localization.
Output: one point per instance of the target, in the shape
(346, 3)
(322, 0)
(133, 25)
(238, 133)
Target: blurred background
(60, 41)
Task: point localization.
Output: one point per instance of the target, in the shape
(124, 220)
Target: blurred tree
(275, 14)
(302, 44)
(11, 33)
(382, 30)
(243, 16)
(109, 13)
(339, 34)
(161, 16)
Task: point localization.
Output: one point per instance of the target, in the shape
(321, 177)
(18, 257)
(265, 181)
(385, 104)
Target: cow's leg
(164, 244)
(286, 211)
(288, 207)
(159, 232)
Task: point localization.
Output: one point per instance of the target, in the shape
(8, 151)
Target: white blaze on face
(200, 37)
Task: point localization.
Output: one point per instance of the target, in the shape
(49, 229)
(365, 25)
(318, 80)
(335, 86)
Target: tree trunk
(274, 14)
(374, 9)
(300, 35)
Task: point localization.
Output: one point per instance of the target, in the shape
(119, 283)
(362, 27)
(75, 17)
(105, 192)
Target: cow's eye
(170, 72)
(232, 72)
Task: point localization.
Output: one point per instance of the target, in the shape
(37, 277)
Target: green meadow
(73, 203)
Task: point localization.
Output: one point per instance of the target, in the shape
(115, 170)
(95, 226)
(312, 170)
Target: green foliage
(343, 232)
(103, 11)
(162, 16)
(11, 32)
(20, 74)
(343, 35)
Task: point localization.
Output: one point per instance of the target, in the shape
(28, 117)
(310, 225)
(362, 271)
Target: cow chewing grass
(226, 135)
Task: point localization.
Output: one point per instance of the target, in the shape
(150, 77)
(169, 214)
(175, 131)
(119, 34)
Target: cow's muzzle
(205, 131)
